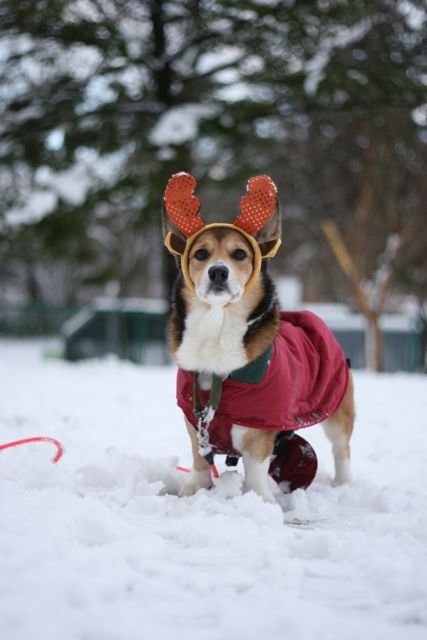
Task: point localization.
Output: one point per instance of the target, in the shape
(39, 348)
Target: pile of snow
(99, 546)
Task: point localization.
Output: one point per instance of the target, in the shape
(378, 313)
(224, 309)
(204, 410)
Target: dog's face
(220, 264)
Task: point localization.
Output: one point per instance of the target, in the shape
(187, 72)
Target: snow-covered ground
(99, 547)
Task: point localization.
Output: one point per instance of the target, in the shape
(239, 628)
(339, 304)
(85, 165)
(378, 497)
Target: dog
(226, 325)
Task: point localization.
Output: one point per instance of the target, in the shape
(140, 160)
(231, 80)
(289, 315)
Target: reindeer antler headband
(256, 209)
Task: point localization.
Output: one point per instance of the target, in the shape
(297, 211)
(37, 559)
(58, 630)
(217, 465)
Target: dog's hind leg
(338, 428)
(200, 476)
(256, 447)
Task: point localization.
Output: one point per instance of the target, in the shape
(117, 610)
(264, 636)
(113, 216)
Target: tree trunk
(374, 349)
(163, 71)
(32, 285)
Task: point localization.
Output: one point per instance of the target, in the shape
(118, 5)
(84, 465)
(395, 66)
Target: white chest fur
(213, 340)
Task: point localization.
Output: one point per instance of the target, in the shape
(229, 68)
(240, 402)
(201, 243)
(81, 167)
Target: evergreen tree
(103, 100)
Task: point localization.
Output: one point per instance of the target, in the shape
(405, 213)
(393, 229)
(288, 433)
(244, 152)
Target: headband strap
(258, 257)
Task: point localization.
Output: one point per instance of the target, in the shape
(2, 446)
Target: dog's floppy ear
(269, 237)
(174, 240)
(260, 216)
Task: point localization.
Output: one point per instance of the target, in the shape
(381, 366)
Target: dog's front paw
(266, 495)
(195, 481)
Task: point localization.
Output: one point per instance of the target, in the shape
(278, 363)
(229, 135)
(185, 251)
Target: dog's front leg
(200, 476)
(256, 447)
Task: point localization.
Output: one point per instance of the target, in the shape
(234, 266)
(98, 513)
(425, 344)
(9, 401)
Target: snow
(179, 124)
(341, 37)
(99, 546)
(218, 57)
(40, 204)
(235, 92)
(415, 16)
(339, 316)
(268, 3)
(419, 115)
(71, 185)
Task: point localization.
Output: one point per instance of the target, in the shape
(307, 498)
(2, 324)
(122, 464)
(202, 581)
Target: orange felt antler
(258, 205)
(182, 206)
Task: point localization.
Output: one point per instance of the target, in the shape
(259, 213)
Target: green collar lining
(254, 372)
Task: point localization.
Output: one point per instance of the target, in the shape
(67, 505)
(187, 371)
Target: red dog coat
(304, 381)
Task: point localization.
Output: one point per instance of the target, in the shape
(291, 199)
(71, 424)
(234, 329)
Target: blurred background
(102, 100)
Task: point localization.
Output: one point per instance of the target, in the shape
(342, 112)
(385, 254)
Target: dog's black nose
(218, 275)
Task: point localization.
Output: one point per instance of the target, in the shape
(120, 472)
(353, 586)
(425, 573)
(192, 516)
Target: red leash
(213, 469)
(58, 445)
(60, 450)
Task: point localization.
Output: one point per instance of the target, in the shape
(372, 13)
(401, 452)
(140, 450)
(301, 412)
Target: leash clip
(205, 415)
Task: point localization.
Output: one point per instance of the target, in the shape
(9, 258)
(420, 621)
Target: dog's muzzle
(218, 278)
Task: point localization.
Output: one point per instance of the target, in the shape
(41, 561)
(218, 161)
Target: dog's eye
(239, 254)
(201, 254)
